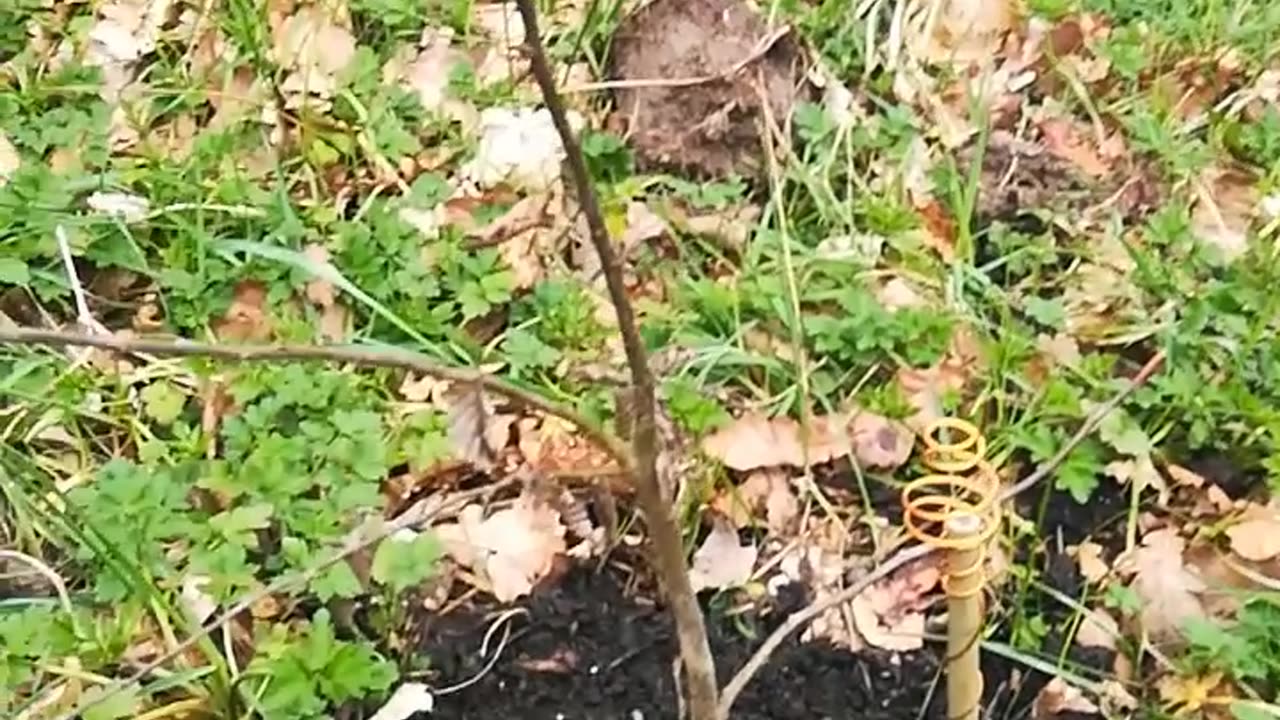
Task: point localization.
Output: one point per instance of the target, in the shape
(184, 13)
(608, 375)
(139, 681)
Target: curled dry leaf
(513, 548)
(962, 32)
(888, 614)
(722, 561)
(1169, 590)
(126, 206)
(1057, 699)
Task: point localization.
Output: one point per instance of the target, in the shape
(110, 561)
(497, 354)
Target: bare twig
(802, 617)
(420, 514)
(390, 358)
(664, 532)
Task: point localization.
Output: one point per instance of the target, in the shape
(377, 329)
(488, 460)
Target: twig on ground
(421, 513)
(802, 617)
(759, 50)
(367, 357)
(664, 532)
(48, 573)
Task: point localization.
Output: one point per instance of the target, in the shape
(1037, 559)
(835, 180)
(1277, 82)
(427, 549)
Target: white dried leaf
(1167, 587)
(722, 561)
(519, 147)
(408, 699)
(126, 206)
(10, 161)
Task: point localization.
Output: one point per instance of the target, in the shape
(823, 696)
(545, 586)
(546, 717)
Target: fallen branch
(664, 532)
(365, 357)
(800, 618)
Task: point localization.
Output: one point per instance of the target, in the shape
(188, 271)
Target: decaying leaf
(1226, 202)
(1168, 588)
(126, 206)
(313, 45)
(513, 548)
(1092, 567)
(1098, 629)
(962, 32)
(722, 561)
(408, 699)
(1057, 699)
(123, 32)
(767, 490)
(10, 161)
(757, 441)
(519, 147)
(553, 446)
(1190, 693)
(246, 318)
(888, 614)
(1256, 539)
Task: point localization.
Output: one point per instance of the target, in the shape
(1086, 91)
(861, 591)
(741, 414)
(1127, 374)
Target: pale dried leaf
(469, 421)
(319, 291)
(962, 32)
(879, 442)
(756, 441)
(199, 604)
(520, 147)
(643, 224)
(128, 207)
(427, 74)
(1066, 140)
(1098, 629)
(514, 548)
(781, 504)
(1061, 348)
(897, 294)
(722, 561)
(1168, 589)
(1226, 202)
(1057, 698)
(10, 161)
(1256, 539)
(889, 614)
(1185, 477)
(1092, 566)
(313, 47)
(408, 699)
(246, 317)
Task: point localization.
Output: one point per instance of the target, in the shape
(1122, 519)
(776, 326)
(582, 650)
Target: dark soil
(589, 650)
(709, 129)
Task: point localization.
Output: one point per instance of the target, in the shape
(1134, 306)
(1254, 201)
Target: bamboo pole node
(954, 508)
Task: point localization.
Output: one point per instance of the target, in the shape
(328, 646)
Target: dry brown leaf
(1226, 203)
(1183, 476)
(1167, 587)
(513, 548)
(1092, 567)
(246, 317)
(767, 490)
(879, 442)
(963, 32)
(755, 441)
(643, 225)
(428, 73)
(1065, 140)
(888, 614)
(722, 561)
(1098, 630)
(1061, 348)
(1190, 693)
(553, 447)
(313, 46)
(1057, 698)
(1256, 539)
(897, 294)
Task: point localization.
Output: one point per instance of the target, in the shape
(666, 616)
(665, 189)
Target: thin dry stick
(367, 357)
(695, 650)
(802, 617)
(422, 513)
(759, 50)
